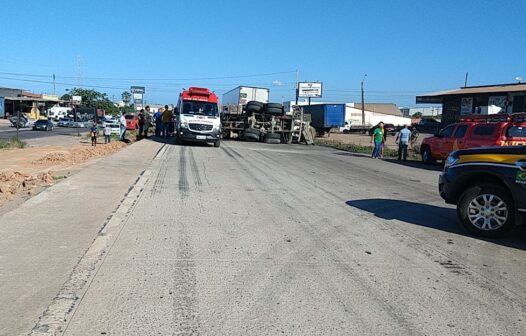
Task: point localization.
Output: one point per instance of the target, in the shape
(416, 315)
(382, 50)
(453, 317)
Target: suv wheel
(486, 210)
(427, 158)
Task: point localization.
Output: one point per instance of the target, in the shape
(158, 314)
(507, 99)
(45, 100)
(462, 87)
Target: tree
(126, 97)
(417, 115)
(92, 98)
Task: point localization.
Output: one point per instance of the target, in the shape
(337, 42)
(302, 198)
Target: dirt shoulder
(25, 171)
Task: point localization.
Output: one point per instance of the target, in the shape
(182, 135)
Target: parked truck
(197, 117)
(325, 117)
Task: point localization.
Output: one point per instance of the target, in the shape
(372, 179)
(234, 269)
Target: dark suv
(488, 185)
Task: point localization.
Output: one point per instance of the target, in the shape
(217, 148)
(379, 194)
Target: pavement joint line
(59, 313)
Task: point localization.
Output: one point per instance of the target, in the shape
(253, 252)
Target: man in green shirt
(377, 137)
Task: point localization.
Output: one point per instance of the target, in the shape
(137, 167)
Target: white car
(64, 122)
(115, 128)
(77, 124)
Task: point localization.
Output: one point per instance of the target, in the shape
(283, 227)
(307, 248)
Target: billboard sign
(76, 99)
(466, 105)
(137, 89)
(310, 90)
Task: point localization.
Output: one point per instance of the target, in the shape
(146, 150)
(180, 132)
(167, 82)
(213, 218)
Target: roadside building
(7, 92)
(434, 112)
(487, 99)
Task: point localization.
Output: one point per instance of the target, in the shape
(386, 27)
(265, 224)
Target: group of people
(164, 125)
(379, 138)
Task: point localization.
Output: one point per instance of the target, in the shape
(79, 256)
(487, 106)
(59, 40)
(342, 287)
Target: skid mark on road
(186, 318)
(183, 179)
(161, 173)
(195, 170)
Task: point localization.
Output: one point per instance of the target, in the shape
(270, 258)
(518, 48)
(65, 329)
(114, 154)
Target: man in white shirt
(122, 122)
(402, 139)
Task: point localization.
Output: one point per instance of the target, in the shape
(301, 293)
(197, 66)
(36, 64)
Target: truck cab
(197, 117)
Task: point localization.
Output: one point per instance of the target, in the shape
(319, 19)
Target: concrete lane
(42, 241)
(254, 239)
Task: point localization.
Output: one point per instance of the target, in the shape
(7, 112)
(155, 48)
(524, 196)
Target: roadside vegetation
(413, 154)
(12, 143)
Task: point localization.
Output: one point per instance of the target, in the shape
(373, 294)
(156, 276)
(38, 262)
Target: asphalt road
(255, 239)
(58, 136)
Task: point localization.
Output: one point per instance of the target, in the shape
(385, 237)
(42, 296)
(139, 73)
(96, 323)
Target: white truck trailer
(243, 94)
(354, 123)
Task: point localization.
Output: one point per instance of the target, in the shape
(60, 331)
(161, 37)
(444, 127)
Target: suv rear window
(516, 132)
(484, 130)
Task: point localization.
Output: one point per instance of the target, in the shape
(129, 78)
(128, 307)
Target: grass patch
(388, 152)
(12, 143)
(59, 177)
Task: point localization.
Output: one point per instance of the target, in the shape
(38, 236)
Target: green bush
(12, 143)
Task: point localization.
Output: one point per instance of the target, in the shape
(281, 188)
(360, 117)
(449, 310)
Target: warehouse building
(487, 99)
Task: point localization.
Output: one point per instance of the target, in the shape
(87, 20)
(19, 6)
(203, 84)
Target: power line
(154, 79)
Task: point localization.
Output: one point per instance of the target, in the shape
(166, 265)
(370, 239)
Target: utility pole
(363, 102)
(54, 88)
(466, 80)
(297, 85)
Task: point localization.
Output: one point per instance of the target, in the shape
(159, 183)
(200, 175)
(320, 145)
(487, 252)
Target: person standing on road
(377, 138)
(122, 124)
(93, 133)
(157, 117)
(167, 119)
(107, 134)
(402, 139)
(147, 121)
(141, 123)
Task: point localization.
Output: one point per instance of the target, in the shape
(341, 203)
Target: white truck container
(243, 94)
(353, 119)
(58, 112)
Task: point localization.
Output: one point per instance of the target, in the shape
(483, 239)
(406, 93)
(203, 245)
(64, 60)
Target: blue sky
(405, 47)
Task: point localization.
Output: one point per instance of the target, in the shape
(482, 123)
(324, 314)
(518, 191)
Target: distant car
(132, 122)
(43, 125)
(64, 122)
(428, 125)
(77, 124)
(390, 129)
(115, 128)
(24, 121)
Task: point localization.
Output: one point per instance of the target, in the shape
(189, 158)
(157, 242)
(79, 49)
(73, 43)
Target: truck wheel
(253, 109)
(272, 141)
(486, 210)
(255, 103)
(217, 144)
(274, 111)
(427, 157)
(273, 105)
(273, 136)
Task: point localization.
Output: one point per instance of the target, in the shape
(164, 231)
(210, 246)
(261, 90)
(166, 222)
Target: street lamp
(363, 103)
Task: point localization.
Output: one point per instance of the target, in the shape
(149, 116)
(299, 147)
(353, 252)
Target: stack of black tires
(264, 112)
(268, 109)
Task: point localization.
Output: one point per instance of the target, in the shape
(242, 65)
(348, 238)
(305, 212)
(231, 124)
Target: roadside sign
(76, 99)
(310, 90)
(137, 89)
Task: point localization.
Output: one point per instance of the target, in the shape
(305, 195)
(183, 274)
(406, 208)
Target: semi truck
(325, 117)
(197, 117)
(243, 94)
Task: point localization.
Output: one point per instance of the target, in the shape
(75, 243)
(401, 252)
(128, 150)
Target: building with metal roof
(485, 99)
